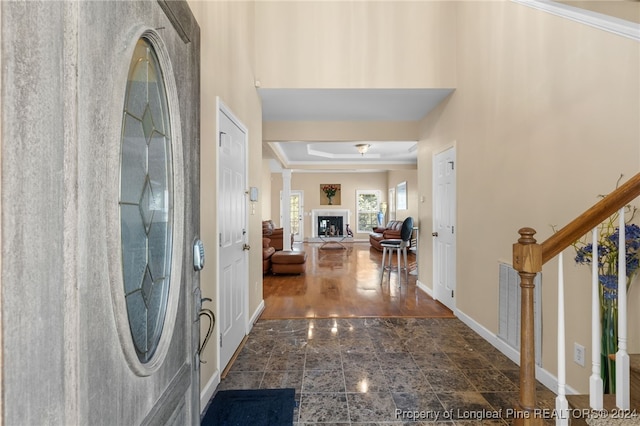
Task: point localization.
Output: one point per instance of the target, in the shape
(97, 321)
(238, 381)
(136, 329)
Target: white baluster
(596, 387)
(562, 406)
(622, 357)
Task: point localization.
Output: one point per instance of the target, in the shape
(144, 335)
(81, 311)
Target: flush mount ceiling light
(363, 148)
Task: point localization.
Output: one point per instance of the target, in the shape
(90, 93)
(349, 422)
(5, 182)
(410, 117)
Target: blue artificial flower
(584, 254)
(632, 262)
(609, 282)
(607, 256)
(632, 231)
(607, 259)
(603, 252)
(609, 286)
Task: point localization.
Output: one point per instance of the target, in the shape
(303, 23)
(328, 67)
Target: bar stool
(399, 245)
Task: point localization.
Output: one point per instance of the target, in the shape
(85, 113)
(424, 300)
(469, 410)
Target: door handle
(205, 312)
(434, 234)
(246, 247)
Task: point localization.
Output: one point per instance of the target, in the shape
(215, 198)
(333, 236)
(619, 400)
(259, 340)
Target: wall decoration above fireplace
(330, 194)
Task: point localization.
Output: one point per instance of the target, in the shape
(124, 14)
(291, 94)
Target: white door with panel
(232, 222)
(444, 230)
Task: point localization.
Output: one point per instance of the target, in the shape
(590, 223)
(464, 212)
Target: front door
(100, 161)
(444, 217)
(233, 274)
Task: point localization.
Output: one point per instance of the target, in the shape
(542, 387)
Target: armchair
(267, 252)
(274, 234)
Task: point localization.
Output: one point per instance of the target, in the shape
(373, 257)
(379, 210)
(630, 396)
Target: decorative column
(285, 209)
(527, 260)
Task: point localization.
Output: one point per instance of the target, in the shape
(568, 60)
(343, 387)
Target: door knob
(434, 234)
(246, 247)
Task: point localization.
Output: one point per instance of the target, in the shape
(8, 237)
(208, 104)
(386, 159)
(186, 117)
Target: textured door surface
(68, 352)
(233, 257)
(444, 218)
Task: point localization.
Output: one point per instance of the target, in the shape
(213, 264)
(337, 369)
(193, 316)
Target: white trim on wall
(543, 376)
(594, 19)
(207, 392)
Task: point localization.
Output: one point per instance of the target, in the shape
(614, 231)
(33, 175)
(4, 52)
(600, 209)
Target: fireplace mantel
(315, 213)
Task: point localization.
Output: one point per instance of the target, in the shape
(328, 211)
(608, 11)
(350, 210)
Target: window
(367, 209)
(146, 201)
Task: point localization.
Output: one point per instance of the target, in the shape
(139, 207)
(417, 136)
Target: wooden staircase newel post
(527, 260)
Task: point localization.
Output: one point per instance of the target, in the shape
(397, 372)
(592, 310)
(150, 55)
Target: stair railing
(528, 258)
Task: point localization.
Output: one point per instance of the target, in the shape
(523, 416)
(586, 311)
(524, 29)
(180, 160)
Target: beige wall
(227, 55)
(340, 130)
(310, 183)
(265, 190)
(542, 107)
(363, 44)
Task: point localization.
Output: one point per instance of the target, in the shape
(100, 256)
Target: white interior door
(444, 217)
(233, 279)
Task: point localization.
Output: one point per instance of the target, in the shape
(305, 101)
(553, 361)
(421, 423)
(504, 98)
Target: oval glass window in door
(146, 200)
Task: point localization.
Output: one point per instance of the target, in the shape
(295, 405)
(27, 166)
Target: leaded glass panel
(146, 208)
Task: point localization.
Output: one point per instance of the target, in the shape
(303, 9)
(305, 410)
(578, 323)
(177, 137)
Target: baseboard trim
(255, 316)
(422, 286)
(542, 375)
(207, 392)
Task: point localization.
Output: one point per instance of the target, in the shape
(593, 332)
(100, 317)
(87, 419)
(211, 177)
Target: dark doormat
(261, 407)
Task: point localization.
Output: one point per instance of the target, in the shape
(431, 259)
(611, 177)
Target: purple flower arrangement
(608, 255)
(607, 258)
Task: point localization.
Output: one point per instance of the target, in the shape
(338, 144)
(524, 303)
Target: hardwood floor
(345, 283)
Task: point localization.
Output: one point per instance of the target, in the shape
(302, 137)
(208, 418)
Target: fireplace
(339, 218)
(330, 226)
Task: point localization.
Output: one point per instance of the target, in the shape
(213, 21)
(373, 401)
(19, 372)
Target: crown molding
(597, 20)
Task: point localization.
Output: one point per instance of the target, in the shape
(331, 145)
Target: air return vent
(509, 309)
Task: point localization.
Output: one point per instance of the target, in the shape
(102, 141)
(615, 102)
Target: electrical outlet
(578, 354)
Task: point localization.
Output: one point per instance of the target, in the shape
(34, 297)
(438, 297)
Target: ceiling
(364, 105)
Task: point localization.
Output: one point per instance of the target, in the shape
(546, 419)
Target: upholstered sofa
(274, 234)
(267, 252)
(379, 233)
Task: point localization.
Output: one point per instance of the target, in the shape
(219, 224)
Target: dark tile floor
(381, 371)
